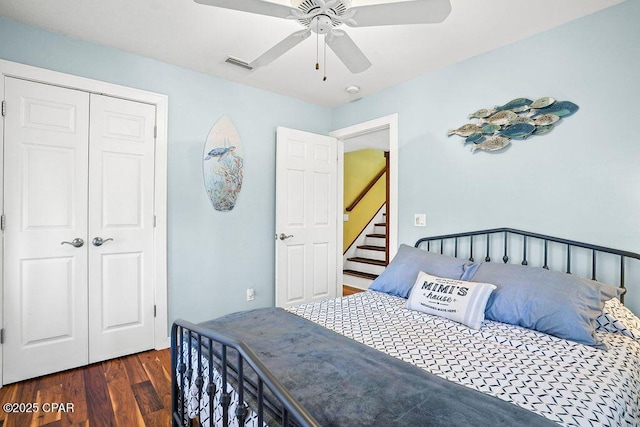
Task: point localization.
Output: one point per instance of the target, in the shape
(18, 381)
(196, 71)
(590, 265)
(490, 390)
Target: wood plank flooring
(350, 290)
(130, 391)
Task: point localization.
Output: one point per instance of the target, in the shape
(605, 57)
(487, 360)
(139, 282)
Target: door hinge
(155, 221)
(2, 222)
(4, 108)
(2, 336)
(155, 131)
(155, 310)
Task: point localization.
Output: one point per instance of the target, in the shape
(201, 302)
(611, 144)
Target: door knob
(284, 237)
(98, 241)
(76, 243)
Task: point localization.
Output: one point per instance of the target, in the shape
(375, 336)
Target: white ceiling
(200, 37)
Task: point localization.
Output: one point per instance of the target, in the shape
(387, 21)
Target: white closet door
(121, 167)
(45, 283)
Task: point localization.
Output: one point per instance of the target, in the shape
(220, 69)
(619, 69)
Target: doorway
(380, 133)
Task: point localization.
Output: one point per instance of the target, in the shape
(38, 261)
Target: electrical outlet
(420, 220)
(251, 295)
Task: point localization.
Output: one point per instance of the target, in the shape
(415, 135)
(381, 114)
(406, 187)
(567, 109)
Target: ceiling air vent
(239, 63)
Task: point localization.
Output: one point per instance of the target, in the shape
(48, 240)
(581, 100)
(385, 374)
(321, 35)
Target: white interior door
(79, 238)
(45, 276)
(121, 168)
(306, 239)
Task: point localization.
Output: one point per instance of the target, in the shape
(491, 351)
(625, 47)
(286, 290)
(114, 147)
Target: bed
(544, 339)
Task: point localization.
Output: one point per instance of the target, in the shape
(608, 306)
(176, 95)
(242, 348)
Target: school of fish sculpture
(560, 109)
(494, 143)
(465, 130)
(482, 113)
(502, 117)
(516, 105)
(520, 118)
(490, 129)
(476, 138)
(546, 119)
(542, 102)
(518, 131)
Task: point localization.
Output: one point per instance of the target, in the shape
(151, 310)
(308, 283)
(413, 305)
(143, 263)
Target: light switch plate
(420, 220)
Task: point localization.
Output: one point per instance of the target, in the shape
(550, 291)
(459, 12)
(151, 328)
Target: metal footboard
(200, 358)
(512, 244)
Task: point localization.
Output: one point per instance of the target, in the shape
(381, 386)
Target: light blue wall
(579, 182)
(213, 257)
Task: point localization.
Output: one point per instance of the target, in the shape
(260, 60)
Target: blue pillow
(547, 301)
(401, 273)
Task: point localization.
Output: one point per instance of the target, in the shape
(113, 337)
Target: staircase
(366, 260)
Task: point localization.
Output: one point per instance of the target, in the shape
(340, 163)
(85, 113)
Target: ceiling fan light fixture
(353, 89)
(325, 16)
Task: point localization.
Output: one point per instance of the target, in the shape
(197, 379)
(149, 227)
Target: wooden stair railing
(366, 189)
(364, 193)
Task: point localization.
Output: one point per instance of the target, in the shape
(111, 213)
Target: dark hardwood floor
(350, 290)
(127, 392)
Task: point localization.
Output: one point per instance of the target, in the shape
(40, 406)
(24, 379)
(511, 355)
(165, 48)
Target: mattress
(569, 383)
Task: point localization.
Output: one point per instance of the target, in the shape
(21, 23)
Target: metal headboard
(465, 242)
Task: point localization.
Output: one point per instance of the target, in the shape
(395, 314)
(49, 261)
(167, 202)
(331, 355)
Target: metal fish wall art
(490, 129)
(520, 118)
(546, 119)
(465, 130)
(475, 138)
(542, 102)
(560, 109)
(518, 131)
(516, 105)
(502, 117)
(482, 113)
(494, 143)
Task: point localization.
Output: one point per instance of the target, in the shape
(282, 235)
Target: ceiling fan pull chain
(324, 78)
(317, 46)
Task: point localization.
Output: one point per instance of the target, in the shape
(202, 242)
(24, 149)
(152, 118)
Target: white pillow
(457, 300)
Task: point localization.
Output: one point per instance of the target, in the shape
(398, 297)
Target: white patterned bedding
(566, 382)
(196, 402)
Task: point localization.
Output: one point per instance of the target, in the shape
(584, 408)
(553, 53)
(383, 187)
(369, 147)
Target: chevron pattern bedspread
(569, 383)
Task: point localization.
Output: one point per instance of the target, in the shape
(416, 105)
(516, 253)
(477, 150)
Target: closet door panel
(121, 165)
(45, 279)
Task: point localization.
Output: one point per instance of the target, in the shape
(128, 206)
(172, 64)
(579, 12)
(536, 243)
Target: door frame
(41, 75)
(389, 123)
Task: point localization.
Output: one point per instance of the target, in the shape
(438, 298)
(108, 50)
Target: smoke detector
(353, 89)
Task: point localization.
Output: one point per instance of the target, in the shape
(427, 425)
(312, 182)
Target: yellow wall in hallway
(360, 167)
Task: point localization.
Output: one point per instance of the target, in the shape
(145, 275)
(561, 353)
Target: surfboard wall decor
(222, 165)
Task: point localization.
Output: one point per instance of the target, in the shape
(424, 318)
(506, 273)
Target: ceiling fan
(323, 17)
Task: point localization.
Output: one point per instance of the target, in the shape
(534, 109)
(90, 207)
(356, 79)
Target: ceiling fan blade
(275, 52)
(252, 6)
(350, 54)
(401, 13)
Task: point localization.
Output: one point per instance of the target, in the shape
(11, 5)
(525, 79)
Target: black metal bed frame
(266, 393)
(183, 333)
(527, 236)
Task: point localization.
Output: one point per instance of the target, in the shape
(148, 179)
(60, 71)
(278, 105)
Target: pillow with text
(457, 300)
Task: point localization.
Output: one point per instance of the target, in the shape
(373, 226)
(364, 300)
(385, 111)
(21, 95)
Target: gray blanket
(342, 382)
